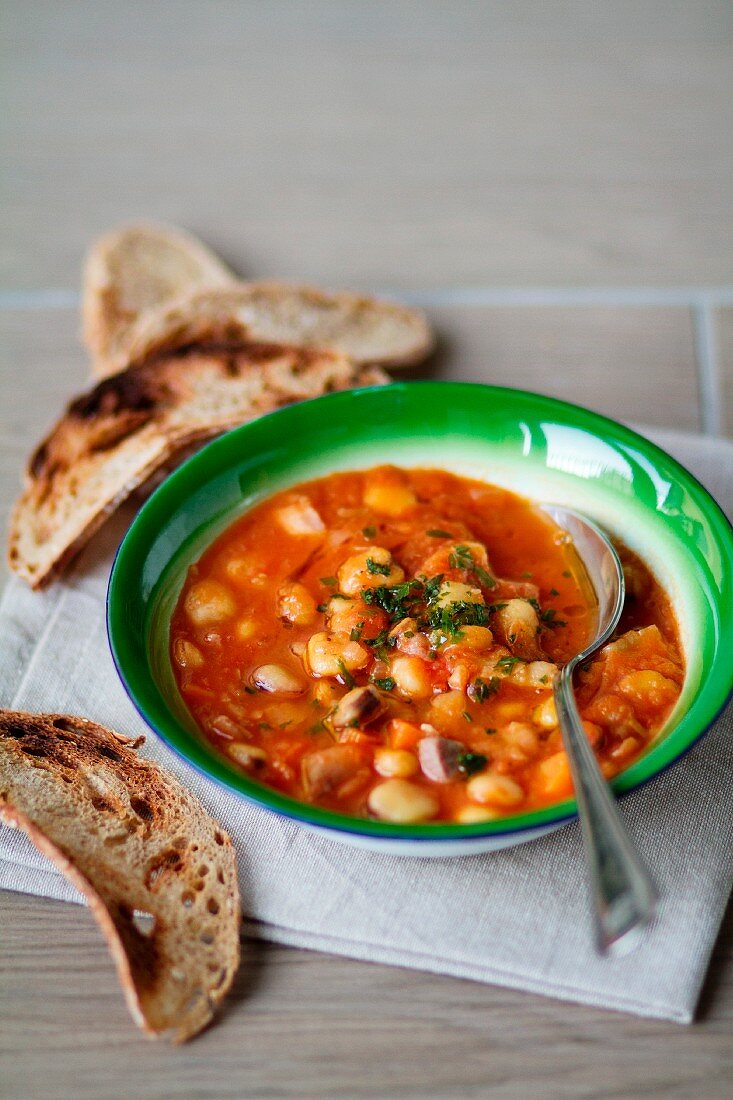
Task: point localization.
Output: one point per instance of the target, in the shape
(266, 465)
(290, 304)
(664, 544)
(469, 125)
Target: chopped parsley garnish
(418, 599)
(431, 587)
(368, 532)
(346, 676)
(469, 763)
(317, 727)
(264, 725)
(467, 717)
(355, 634)
(284, 725)
(554, 592)
(251, 690)
(437, 533)
(481, 690)
(460, 558)
(506, 664)
(397, 600)
(526, 575)
(322, 607)
(490, 730)
(566, 573)
(549, 619)
(330, 582)
(450, 619)
(386, 683)
(376, 567)
(485, 578)
(380, 643)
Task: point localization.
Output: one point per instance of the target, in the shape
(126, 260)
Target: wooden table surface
(553, 181)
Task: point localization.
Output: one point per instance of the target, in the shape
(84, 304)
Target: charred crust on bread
(158, 873)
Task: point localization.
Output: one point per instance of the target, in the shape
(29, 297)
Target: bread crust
(136, 268)
(367, 330)
(114, 436)
(158, 873)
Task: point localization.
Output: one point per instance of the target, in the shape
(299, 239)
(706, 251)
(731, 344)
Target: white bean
(403, 802)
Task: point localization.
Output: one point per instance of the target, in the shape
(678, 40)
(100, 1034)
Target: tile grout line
(637, 297)
(465, 296)
(702, 302)
(708, 372)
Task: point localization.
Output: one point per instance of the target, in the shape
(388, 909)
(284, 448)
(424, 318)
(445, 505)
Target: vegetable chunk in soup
(384, 643)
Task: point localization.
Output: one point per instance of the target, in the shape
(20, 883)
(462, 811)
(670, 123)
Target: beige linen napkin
(517, 918)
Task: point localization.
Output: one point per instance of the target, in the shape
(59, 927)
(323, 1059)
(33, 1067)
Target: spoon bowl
(623, 893)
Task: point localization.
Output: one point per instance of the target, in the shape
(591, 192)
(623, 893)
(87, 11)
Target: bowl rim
(207, 762)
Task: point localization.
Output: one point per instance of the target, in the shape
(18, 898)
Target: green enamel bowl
(539, 447)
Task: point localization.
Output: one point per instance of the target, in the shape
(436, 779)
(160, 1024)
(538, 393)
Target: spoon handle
(624, 895)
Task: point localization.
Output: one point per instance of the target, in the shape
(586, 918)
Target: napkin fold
(517, 918)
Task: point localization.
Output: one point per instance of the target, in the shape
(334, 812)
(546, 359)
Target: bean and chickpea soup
(384, 643)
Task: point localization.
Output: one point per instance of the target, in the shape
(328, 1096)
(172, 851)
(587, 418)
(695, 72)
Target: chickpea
(400, 801)
(648, 689)
(477, 638)
(186, 655)
(447, 708)
(245, 629)
(522, 741)
(554, 775)
(329, 654)
(509, 711)
(390, 493)
(368, 569)
(209, 602)
(300, 518)
(411, 677)
(343, 616)
(296, 604)
(456, 592)
(277, 680)
(472, 815)
(517, 625)
(447, 556)
(395, 763)
(545, 715)
(535, 674)
(241, 570)
(494, 790)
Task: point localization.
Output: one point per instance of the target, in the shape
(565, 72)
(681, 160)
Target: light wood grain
(634, 364)
(303, 1024)
(381, 144)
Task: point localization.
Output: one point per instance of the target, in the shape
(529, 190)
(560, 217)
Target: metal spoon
(624, 895)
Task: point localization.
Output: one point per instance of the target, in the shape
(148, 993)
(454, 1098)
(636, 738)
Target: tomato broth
(384, 643)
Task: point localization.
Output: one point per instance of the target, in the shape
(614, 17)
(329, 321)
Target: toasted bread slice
(134, 269)
(159, 874)
(367, 330)
(113, 437)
